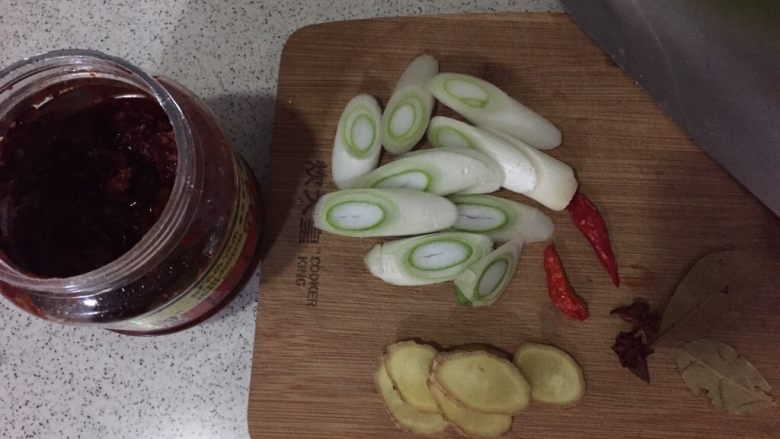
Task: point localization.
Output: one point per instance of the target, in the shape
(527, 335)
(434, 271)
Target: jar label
(222, 276)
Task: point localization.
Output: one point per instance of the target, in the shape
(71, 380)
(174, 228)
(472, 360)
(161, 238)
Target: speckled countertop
(67, 382)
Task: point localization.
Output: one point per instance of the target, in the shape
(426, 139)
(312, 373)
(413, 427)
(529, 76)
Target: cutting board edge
(498, 16)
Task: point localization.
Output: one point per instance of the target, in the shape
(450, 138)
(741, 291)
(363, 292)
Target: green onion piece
(483, 282)
(486, 105)
(440, 171)
(409, 109)
(527, 170)
(358, 141)
(557, 183)
(426, 259)
(501, 219)
(519, 174)
(460, 297)
(383, 212)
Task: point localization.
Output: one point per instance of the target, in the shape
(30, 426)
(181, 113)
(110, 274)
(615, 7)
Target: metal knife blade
(712, 65)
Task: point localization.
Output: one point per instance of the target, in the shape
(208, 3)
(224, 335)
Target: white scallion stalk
(383, 212)
(557, 183)
(426, 259)
(527, 170)
(488, 183)
(440, 171)
(483, 282)
(358, 141)
(519, 173)
(501, 219)
(409, 109)
(486, 105)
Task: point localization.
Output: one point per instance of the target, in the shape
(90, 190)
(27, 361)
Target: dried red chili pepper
(589, 221)
(561, 294)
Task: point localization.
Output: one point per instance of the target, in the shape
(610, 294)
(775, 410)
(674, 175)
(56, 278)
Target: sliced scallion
(426, 259)
(383, 212)
(487, 183)
(556, 185)
(358, 141)
(486, 105)
(501, 219)
(519, 173)
(409, 109)
(483, 282)
(440, 171)
(527, 170)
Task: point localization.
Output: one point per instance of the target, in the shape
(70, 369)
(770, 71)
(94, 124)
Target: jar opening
(142, 183)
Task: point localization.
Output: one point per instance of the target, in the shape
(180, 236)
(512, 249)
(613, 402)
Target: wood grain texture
(665, 201)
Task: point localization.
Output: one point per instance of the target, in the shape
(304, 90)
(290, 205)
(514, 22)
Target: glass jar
(197, 252)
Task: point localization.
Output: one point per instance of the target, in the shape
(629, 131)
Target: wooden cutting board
(323, 320)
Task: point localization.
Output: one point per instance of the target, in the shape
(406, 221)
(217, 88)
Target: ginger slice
(469, 422)
(481, 381)
(405, 416)
(409, 363)
(555, 376)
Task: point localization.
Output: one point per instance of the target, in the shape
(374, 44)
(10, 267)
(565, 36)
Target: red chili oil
(122, 204)
(87, 173)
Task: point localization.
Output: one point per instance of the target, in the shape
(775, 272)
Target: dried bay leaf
(713, 294)
(716, 370)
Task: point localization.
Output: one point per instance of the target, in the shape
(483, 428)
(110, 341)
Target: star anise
(633, 347)
(632, 351)
(640, 316)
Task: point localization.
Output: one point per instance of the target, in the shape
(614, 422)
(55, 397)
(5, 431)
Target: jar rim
(156, 242)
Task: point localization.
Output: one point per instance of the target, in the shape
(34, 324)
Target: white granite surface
(68, 382)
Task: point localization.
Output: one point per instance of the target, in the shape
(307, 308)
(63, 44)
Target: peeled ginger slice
(469, 422)
(555, 376)
(482, 382)
(405, 416)
(408, 364)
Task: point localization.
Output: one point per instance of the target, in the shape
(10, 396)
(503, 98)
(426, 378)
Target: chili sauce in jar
(122, 204)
